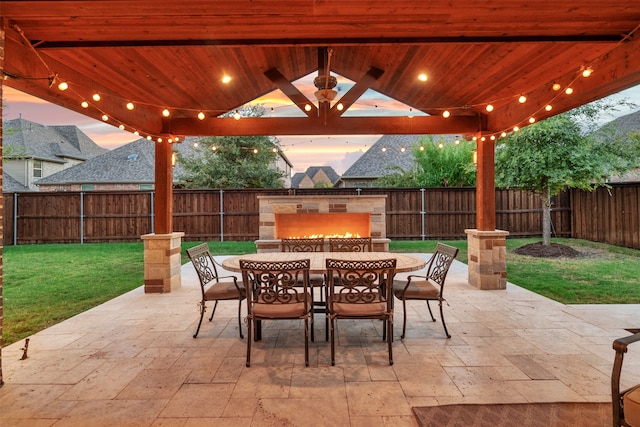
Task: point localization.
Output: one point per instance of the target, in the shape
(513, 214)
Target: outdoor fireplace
(321, 216)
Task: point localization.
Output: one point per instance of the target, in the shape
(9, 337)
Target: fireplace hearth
(321, 216)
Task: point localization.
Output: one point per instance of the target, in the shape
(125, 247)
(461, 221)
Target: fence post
(81, 217)
(422, 215)
(221, 216)
(358, 190)
(152, 212)
(15, 219)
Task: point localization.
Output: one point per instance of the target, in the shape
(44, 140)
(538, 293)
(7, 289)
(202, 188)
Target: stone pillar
(487, 262)
(162, 262)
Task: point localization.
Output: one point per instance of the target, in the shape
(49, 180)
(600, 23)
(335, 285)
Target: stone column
(162, 262)
(487, 258)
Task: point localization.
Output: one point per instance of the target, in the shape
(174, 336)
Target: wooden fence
(412, 214)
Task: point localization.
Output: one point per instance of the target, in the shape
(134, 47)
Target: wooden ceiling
(173, 54)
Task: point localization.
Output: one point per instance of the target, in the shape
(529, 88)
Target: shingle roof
(130, 163)
(12, 185)
(23, 138)
(375, 162)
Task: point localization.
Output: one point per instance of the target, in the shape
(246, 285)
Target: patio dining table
(404, 262)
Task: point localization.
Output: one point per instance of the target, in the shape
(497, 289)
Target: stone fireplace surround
(270, 206)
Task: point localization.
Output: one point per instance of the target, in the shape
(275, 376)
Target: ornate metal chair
(213, 289)
(429, 287)
(277, 290)
(302, 245)
(361, 290)
(350, 244)
(626, 403)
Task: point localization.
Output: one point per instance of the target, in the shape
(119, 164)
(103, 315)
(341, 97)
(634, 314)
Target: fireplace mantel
(372, 207)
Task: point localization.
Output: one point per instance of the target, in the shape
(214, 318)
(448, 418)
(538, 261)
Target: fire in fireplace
(322, 225)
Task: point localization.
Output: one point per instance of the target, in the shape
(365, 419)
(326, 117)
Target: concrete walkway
(133, 362)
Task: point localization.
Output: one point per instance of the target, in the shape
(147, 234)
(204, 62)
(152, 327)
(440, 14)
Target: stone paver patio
(133, 362)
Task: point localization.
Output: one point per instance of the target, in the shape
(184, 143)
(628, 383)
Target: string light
(422, 77)
(226, 79)
(307, 107)
(340, 107)
(489, 107)
(522, 99)
(130, 106)
(532, 120)
(105, 117)
(446, 114)
(201, 115)
(236, 115)
(166, 112)
(587, 72)
(63, 86)
(548, 107)
(121, 127)
(84, 104)
(96, 97)
(568, 91)
(556, 87)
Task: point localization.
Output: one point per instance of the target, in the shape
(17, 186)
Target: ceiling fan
(325, 83)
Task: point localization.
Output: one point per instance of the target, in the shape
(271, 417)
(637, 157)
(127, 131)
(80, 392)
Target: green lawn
(45, 284)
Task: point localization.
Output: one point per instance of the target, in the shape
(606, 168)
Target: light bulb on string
(96, 97)
(105, 118)
(522, 99)
(63, 86)
(237, 115)
(446, 114)
(166, 113)
(548, 107)
(489, 107)
(84, 104)
(130, 106)
(201, 115)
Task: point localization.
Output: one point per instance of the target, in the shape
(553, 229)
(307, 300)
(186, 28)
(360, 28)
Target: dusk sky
(338, 151)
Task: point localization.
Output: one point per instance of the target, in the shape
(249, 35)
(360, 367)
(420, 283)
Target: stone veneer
(487, 251)
(162, 262)
(272, 205)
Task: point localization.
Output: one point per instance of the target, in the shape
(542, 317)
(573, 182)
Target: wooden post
(163, 203)
(1, 196)
(485, 186)
(162, 248)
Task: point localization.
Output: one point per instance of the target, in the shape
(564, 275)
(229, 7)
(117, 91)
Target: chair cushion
(418, 289)
(282, 311)
(631, 403)
(359, 310)
(224, 290)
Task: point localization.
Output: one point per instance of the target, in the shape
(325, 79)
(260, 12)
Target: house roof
(382, 156)
(313, 174)
(11, 185)
(23, 138)
(130, 163)
(474, 54)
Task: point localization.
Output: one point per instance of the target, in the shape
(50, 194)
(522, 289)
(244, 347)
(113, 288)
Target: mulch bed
(554, 250)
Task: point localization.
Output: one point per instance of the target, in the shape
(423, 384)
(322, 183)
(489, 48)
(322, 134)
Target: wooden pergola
(490, 66)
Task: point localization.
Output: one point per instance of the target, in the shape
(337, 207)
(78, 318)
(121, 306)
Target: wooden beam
(398, 125)
(616, 71)
(356, 91)
(338, 41)
(291, 92)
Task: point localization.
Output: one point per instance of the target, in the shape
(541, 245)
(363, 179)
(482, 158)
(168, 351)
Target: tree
(233, 161)
(438, 164)
(563, 152)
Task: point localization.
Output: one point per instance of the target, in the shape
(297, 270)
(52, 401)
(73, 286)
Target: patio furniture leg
(333, 345)
(239, 320)
(389, 324)
(404, 317)
(250, 326)
(203, 307)
(430, 312)
(214, 310)
(444, 324)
